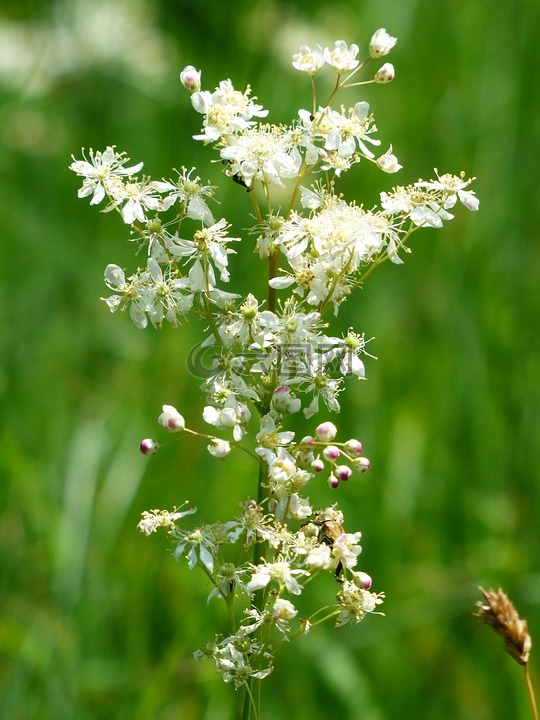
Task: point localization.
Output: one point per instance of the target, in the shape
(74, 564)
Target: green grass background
(98, 622)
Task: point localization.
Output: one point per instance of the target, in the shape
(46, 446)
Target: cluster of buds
(333, 453)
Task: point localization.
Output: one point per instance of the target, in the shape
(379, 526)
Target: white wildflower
(226, 110)
(280, 572)
(341, 57)
(381, 43)
(100, 170)
(151, 520)
(262, 153)
(356, 602)
(307, 60)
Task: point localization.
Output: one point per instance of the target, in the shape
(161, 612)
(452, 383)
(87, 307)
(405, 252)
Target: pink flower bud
(333, 482)
(191, 78)
(385, 74)
(148, 446)
(317, 465)
(353, 447)
(362, 580)
(326, 431)
(171, 419)
(361, 464)
(343, 472)
(331, 452)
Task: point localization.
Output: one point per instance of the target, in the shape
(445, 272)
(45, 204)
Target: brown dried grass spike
(500, 613)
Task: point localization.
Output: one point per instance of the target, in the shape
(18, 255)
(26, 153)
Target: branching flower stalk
(273, 357)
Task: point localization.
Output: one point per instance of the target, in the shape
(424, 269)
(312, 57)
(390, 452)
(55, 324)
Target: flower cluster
(272, 356)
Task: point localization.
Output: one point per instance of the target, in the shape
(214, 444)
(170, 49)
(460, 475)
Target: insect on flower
(327, 525)
(330, 527)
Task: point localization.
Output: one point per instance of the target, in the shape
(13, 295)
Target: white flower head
(102, 172)
(284, 400)
(220, 448)
(299, 507)
(262, 153)
(341, 57)
(284, 609)
(346, 549)
(280, 572)
(320, 558)
(452, 188)
(151, 520)
(226, 111)
(307, 60)
(356, 603)
(233, 414)
(191, 194)
(381, 43)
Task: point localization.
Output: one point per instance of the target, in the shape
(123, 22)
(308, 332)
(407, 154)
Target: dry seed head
(500, 613)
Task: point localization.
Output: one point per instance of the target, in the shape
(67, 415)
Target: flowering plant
(272, 357)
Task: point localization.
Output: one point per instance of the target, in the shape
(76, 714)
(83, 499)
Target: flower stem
(530, 690)
(249, 702)
(259, 551)
(240, 706)
(272, 272)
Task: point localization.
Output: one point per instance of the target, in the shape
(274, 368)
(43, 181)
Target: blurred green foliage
(97, 621)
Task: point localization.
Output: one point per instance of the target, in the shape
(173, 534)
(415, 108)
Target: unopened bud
(343, 472)
(331, 452)
(361, 464)
(362, 580)
(171, 419)
(326, 431)
(333, 482)
(317, 465)
(191, 78)
(148, 446)
(385, 74)
(354, 447)
(389, 162)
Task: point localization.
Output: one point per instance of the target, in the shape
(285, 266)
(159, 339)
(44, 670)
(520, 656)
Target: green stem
(249, 702)
(256, 206)
(259, 551)
(272, 272)
(241, 704)
(208, 305)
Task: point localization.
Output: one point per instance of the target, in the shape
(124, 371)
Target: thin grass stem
(530, 691)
